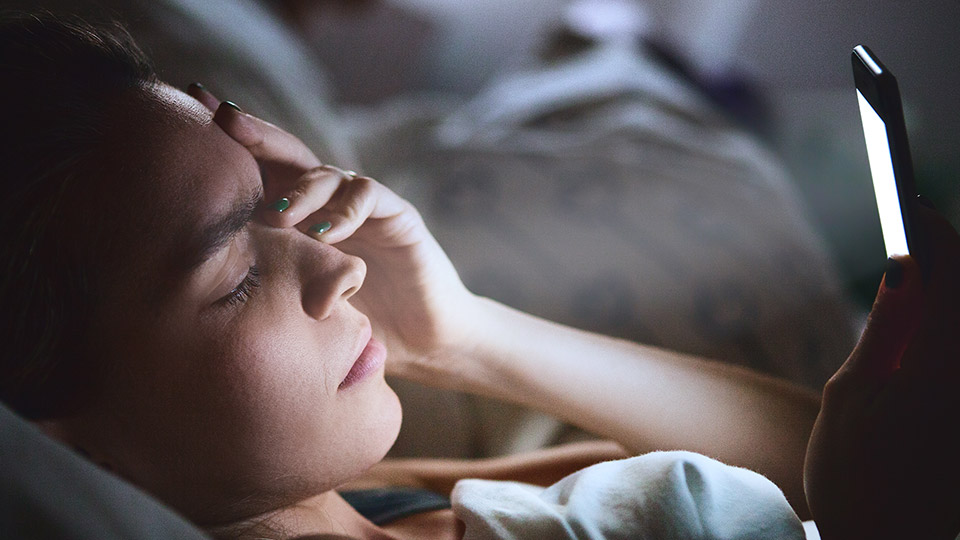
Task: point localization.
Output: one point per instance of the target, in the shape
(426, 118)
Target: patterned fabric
(604, 193)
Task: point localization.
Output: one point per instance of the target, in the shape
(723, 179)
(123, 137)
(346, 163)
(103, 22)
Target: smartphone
(889, 154)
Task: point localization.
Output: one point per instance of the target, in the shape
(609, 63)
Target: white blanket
(662, 495)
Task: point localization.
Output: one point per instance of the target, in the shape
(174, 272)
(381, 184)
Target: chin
(392, 416)
(375, 416)
(380, 424)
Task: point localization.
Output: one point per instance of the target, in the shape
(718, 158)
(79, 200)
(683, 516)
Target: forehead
(170, 151)
(171, 170)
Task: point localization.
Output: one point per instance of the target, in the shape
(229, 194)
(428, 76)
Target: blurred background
(782, 67)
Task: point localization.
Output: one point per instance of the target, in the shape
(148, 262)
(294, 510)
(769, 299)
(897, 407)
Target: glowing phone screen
(884, 185)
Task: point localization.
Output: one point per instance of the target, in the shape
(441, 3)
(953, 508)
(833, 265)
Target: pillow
(49, 492)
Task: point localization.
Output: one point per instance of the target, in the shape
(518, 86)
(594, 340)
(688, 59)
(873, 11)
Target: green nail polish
(234, 105)
(320, 228)
(282, 204)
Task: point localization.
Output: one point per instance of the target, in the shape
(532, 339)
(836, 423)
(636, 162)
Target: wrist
(455, 362)
(498, 353)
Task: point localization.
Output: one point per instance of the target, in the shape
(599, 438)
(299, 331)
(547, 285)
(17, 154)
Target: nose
(332, 277)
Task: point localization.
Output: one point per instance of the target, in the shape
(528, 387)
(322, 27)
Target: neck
(326, 515)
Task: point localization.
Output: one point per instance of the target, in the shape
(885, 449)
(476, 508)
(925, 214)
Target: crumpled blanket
(661, 495)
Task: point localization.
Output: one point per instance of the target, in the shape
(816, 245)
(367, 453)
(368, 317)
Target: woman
(205, 309)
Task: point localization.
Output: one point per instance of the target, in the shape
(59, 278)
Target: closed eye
(244, 290)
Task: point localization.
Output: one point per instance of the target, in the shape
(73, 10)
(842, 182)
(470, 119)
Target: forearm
(643, 397)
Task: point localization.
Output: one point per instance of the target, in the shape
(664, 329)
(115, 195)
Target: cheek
(269, 391)
(212, 415)
(272, 406)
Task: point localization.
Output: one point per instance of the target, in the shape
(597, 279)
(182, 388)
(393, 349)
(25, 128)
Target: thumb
(892, 323)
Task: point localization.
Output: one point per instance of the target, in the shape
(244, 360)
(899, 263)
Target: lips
(371, 358)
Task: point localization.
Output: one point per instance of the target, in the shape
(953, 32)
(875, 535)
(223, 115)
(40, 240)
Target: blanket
(661, 495)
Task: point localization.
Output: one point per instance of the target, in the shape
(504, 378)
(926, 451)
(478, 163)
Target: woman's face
(229, 340)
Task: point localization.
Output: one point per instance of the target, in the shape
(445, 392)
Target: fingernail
(892, 274)
(351, 174)
(282, 204)
(922, 199)
(234, 105)
(196, 85)
(320, 228)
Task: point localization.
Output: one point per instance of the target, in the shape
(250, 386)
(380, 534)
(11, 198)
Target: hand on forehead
(277, 151)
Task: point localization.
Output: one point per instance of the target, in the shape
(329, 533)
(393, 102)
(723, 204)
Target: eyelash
(242, 292)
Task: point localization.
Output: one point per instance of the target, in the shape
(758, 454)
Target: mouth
(368, 362)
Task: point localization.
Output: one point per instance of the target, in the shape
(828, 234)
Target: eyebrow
(220, 232)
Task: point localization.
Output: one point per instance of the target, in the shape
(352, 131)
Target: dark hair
(59, 76)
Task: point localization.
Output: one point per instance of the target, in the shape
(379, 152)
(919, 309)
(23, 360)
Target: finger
(938, 346)
(362, 201)
(941, 241)
(892, 323)
(268, 143)
(312, 191)
(204, 96)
